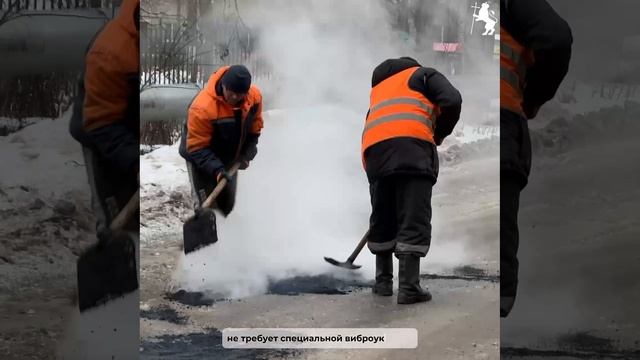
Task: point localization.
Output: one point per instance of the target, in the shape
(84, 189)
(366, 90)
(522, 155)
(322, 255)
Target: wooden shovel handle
(123, 217)
(218, 189)
(361, 244)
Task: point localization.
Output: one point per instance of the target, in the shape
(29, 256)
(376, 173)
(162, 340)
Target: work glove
(247, 156)
(222, 173)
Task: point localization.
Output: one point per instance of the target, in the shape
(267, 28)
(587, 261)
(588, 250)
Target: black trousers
(401, 215)
(110, 190)
(515, 166)
(202, 186)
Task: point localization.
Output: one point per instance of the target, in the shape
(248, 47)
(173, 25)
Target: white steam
(306, 194)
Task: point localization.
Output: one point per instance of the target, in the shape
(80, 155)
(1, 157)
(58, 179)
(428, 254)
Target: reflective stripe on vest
(515, 59)
(398, 111)
(399, 116)
(403, 100)
(513, 55)
(512, 79)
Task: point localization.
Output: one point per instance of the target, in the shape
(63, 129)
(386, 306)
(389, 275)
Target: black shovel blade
(107, 271)
(200, 230)
(346, 265)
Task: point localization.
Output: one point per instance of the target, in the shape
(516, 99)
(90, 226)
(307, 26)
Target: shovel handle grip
(361, 245)
(127, 212)
(218, 189)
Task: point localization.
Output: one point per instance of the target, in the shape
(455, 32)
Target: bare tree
(171, 53)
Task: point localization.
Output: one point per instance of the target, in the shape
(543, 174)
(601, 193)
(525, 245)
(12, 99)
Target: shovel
(200, 229)
(107, 270)
(349, 263)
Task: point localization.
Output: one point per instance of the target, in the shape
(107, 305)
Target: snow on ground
(588, 97)
(44, 196)
(44, 149)
(581, 98)
(305, 196)
(45, 222)
(44, 192)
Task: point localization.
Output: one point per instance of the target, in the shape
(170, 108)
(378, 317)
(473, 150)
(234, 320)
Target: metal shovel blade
(200, 230)
(107, 270)
(346, 264)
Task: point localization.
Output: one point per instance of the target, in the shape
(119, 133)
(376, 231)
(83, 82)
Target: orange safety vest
(398, 111)
(515, 59)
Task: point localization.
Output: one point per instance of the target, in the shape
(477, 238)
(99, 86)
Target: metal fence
(19, 5)
(169, 55)
(175, 53)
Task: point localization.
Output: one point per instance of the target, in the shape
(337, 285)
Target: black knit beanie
(237, 79)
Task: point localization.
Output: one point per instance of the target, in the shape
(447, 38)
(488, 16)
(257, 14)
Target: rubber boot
(409, 290)
(384, 275)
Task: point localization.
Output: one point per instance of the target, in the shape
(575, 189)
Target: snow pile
(607, 124)
(165, 193)
(43, 156)
(46, 221)
(467, 151)
(583, 98)
(44, 199)
(470, 142)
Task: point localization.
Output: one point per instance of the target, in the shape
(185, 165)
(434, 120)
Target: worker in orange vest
(412, 110)
(223, 127)
(106, 121)
(535, 49)
(106, 116)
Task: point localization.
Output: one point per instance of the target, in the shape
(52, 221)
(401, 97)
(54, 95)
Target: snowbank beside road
(46, 150)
